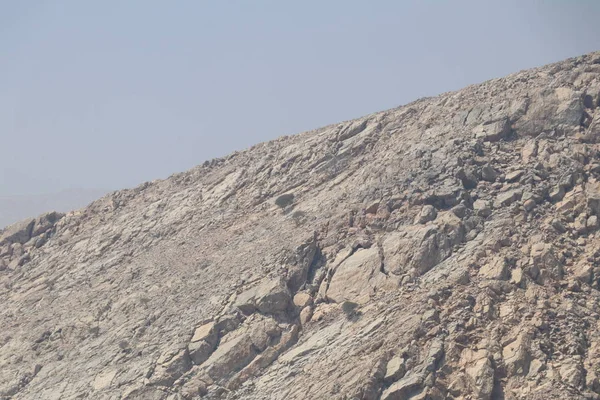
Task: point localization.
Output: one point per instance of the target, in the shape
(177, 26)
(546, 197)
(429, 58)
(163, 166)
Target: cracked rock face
(445, 249)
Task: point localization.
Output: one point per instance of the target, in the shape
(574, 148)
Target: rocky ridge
(446, 249)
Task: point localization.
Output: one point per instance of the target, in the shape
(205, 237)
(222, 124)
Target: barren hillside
(446, 249)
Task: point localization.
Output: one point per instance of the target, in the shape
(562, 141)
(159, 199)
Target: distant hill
(16, 208)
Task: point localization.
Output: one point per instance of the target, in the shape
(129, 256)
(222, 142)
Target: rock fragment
(428, 213)
(488, 173)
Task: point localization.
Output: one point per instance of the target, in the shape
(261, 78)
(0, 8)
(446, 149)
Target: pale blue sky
(108, 94)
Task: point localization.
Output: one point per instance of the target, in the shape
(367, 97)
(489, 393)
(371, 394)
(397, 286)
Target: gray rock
(411, 384)
(482, 208)
(529, 204)
(514, 176)
(269, 297)
(200, 351)
(428, 213)
(592, 193)
(592, 223)
(169, 367)
(306, 315)
(557, 193)
(573, 374)
(468, 178)
(357, 278)
(507, 198)
(302, 299)
(460, 211)
(544, 259)
(493, 131)
(203, 342)
(481, 374)
(516, 355)
(551, 108)
(495, 269)
(488, 173)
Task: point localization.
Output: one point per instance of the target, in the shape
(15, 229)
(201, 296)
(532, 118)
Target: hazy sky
(108, 94)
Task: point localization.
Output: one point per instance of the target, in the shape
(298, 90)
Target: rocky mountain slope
(446, 249)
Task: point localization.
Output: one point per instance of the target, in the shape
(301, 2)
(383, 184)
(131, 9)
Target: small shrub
(124, 346)
(298, 217)
(350, 309)
(285, 200)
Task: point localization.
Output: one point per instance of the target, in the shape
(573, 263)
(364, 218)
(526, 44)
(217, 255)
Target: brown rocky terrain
(446, 249)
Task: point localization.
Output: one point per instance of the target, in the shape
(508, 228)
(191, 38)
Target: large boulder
(550, 109)
(269, 297)
(19, 232)
(495, 269)
(493, 131)
(238, 348)
(44, 222)
(234, 352)
(170, 366)
(516, 354)
(405, 388)
(417, 249)
(302, 260)
(592, 133)
(544, 263)
(357, 278)
(479, 372)
(592, 193)
(203, 342)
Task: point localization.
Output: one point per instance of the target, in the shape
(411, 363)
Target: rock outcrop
(445, 249)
